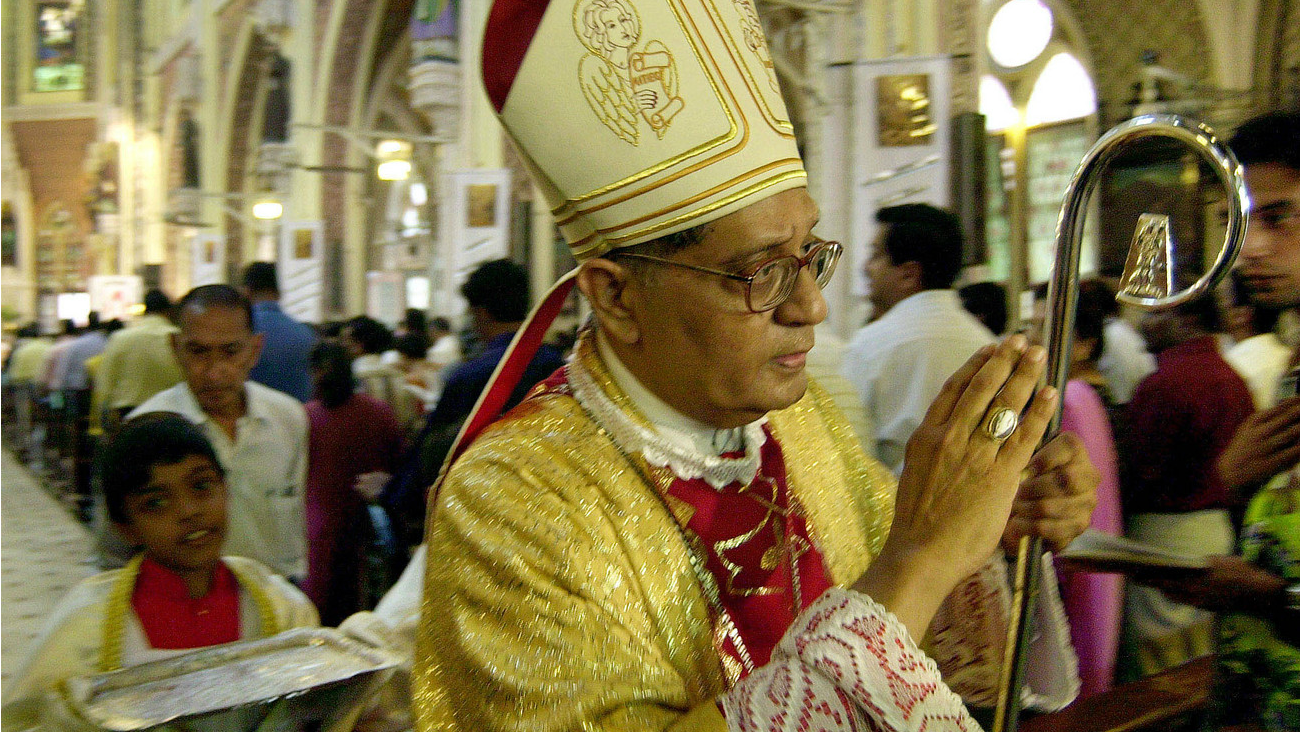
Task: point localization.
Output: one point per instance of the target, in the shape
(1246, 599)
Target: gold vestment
(560, 593)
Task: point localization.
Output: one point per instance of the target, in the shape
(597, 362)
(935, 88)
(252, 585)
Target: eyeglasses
(773, 280)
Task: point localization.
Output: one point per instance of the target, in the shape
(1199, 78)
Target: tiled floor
(44, 551)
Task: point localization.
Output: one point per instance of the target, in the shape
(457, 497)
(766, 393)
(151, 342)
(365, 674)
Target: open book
(1094, 551)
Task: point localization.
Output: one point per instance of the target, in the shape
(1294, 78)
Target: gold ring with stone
(999, 424)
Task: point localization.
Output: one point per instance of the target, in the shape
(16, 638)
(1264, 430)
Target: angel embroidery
(623, 85)
(755, 41)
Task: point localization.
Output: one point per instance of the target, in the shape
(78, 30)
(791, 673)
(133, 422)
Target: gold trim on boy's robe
(560, 593)
(72, 641)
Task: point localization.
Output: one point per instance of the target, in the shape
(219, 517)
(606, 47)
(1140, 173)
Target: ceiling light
(1019, 32)
(267, 209)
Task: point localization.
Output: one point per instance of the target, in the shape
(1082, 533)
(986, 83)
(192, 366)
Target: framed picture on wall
(481, 205)
(304, 244)
(1052, 154)
(903, 110)
(302, 269)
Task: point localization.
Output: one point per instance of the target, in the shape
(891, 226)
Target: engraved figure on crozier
(1147, 272)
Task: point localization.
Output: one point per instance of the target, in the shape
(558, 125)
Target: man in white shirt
(920, 334)
(445, 350)
(1125, 360)
(260, 434)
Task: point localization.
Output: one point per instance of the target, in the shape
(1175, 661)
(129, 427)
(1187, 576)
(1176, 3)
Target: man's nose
(806, 304)
(188, 506)
(1257, 243)
(216, 366)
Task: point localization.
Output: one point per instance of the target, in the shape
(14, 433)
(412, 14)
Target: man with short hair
(138, 361)
(1180, 419)
(284, 363)
(21, 371)
(73, 379)
(920, 333)
(367, 340)
(70, 372)
(497, 293)
(677, 530)
(260, 433)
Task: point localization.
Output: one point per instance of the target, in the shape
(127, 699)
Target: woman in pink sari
(351, 433)
(1093, 602)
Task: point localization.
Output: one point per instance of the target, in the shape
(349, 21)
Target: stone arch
(245, 91)
(358, 37)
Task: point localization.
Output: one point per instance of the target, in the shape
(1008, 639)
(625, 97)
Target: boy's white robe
(72, 639)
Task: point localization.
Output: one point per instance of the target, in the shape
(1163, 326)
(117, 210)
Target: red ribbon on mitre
(511, 25)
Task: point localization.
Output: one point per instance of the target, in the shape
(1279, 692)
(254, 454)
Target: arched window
(61, 44)
(1039, 104)
(1063, 91)
(996, 105)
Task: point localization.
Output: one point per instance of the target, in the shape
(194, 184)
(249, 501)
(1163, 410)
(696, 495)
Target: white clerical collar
(690, 448)
(669, 422)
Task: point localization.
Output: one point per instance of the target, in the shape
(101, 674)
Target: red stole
(172, 619)
(750, 534)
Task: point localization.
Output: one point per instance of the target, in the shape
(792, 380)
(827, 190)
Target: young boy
(165, 491)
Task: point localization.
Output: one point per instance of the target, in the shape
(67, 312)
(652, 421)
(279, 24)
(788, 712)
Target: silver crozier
(1148, 283)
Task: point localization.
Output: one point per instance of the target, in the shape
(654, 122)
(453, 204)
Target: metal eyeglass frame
(821, 245)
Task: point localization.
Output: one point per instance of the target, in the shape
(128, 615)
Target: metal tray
(234, 676)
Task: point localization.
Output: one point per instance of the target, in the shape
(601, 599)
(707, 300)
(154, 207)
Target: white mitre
(636, 119)
(640, 118)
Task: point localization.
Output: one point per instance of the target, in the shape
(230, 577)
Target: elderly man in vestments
(678, 530)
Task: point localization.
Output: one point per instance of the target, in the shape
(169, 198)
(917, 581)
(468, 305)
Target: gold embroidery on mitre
(755, 40)
(623, 85)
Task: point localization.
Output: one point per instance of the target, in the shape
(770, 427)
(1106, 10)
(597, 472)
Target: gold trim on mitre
(640, 118)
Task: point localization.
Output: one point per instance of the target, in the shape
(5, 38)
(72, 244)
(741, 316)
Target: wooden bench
(1154, 703)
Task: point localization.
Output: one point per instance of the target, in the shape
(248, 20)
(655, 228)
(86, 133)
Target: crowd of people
(667, 523)
(322, 439)
(1164, 404)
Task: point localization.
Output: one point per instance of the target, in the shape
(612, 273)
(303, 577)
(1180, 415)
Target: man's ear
(175, 339)
(614, 294)
(257, 344)
(912, 276)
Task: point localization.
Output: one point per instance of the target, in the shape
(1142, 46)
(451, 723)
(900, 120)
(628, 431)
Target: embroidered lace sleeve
(969, 633)
(848, 664)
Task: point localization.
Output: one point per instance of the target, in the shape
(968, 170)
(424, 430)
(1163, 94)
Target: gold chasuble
(561, 592)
